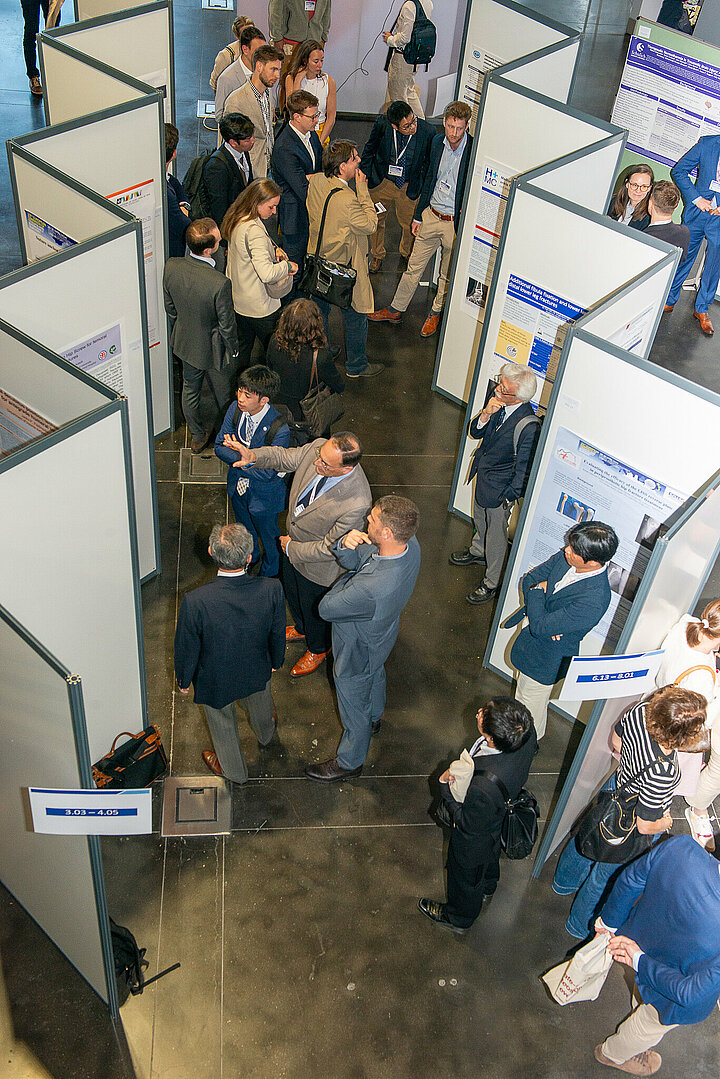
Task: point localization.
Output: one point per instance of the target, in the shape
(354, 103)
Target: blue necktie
(310, 495)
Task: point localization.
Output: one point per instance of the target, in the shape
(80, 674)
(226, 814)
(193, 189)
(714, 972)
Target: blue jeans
(356, 330)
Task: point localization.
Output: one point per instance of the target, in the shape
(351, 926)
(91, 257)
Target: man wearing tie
(330, 495)
(228, 171)
(500, 466)
(297, 154)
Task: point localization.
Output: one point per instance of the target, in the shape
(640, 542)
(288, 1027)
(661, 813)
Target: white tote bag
(461, 772)
(583, 976)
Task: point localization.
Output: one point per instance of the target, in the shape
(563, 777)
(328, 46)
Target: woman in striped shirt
(647, 737)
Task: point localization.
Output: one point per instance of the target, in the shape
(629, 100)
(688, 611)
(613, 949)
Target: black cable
(360, 68)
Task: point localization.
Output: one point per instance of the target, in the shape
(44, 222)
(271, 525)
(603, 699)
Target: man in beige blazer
(253, 100)
(351, 217)
(329, 496)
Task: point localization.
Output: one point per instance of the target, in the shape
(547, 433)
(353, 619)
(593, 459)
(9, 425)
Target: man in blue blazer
(437, 216)
(257, 494)
(564, 598)
(395, 160)
(297, 154)
(230, 637)
(663, 916)
(508, 429)
(702, 217)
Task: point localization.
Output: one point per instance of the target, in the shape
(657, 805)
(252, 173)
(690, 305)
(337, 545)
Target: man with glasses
(329, 497)
(395, 160)
(500, 466)
(297, 154)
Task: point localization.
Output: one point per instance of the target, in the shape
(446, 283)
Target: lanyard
(399, 156)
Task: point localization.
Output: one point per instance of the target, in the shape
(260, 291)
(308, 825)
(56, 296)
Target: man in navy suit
(230, 636)
(437, 216)
(178, 204)
(565, 597)
(500, 465)
(297, 154)
(702, 217)
(228, 170)
(257, 494)
(395, 160)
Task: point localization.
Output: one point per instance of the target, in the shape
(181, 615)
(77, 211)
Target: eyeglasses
(311, 115)
(320, 460)
(638, 187)
(407, 125)
(501, 389)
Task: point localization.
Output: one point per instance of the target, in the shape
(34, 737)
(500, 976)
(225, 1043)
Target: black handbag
(320, 406)
(519, 830)
(608, 831)
(330, 281)
(136, 763)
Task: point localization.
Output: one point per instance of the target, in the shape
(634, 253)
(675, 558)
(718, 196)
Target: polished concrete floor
(301, 947)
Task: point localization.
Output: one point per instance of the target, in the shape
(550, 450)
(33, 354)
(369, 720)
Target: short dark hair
(250, 33)
(259, 379)
(398, 514)
(200, 235)
(508, 723)
(172, 138)
(234, 125)
(593, 541)
(349, 445)
(397, 111)
(265, 54)
(299, 100)
(337, 154)
(665, 196)
(230, 546)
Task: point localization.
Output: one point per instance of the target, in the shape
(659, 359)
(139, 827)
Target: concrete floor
(302, 951)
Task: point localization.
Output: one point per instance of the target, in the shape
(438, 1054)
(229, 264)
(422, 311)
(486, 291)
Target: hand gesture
(360, 177)
(354, 538)
(705, 205)
(280, 255)
(246, 456)
(623, 950)
(492, 407)
(386, 35)
(293, 267)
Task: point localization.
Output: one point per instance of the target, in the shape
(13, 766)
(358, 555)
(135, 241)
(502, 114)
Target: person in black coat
(228, 171)
(178, 204)
(395, 160)
(230, 636)
(297, 154)
(506, 747)
(290, 353)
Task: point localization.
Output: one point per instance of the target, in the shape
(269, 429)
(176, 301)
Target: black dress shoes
(436, 913)
(375, 727)
(465, 558)
(330, 771)
(482, 594)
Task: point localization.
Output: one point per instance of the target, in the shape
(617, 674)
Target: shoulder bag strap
(505, 794)
(314, 373)
(691, 670)
(642, 772)
(322, 220)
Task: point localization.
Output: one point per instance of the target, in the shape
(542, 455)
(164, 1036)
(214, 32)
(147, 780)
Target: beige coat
(245, 101)
(350, 219)
(250, 266)
(313, 532)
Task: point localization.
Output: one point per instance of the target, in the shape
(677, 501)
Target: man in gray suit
(330, 496)
(364, 608)
(198, 300)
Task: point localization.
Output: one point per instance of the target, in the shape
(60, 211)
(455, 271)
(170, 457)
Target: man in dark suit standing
(437, 216)
(198, 300)
(505, 748)
(230, 636)
(297, 154)
(178, 204)
(395, 160)
(565, 597)
(228, 171)
(500, 466)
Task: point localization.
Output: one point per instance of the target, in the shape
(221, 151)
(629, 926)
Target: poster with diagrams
(489, 216)
(480, 61)
(101, 356)
(139, 200)
(44, 239)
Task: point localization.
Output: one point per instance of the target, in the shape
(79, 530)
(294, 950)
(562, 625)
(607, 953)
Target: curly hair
(675, 717)
(300, 325)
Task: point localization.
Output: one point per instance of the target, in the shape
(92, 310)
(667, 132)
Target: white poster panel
(75, 87)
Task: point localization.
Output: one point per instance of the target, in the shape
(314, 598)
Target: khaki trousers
(640, 1031)
(389, 194)
(708, 786)
(401, 85)
(536, 697)
(433, 233)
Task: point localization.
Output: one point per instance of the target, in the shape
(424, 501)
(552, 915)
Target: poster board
(51, 301)
(41, 705)
(518, 131)
(118, 154)
(672, 586)
(595, 452)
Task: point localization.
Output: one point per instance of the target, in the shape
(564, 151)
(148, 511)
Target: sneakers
(646, 1063)
(370, 371)
(701, 828)
(35, 85)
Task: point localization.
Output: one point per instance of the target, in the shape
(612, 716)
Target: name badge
(309, 5)
(715, 185)
(444, 185)
(395, 170)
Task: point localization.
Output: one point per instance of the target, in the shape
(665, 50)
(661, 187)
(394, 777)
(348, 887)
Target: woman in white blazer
(253, 264)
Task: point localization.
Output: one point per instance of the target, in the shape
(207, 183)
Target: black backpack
(285, 417)
(195, 186)
(420, 49)
(130, 963)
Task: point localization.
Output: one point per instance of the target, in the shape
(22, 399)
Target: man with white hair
(500, 466)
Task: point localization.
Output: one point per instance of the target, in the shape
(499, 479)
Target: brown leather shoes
(210, 758)
(385, 315)
(308, 663)
(199, 446)
(431, 324)
(705, 324)
(668, 308)
(375, 265)
(291, 634)
(330, 771)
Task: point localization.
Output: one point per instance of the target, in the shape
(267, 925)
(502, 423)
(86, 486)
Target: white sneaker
(701, 828)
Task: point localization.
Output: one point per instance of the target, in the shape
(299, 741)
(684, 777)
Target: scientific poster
(139, 200)
(44, 239)
(633, 335)
(102, 357)
(584, 483)
(479, 63)
(19, 424)
(489, 216)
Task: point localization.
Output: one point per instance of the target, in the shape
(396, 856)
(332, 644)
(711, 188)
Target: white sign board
(597, 678)
(83, 812)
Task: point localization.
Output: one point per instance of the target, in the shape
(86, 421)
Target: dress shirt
(400, 144)
(256, 419)
(230, 572)
(443, 197)
(305, 139)
(403, 28)
(241, 159)
(573, 576)
(482, 749)
(202, 258)
(330, 481)
(509, 409)
(263, 100)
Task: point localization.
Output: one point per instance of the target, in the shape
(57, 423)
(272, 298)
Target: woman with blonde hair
(304, 72)
(258, 270)
(630, 204)
(230, 53)
(689, 661)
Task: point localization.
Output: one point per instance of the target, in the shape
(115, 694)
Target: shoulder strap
(273, 429)
(691, 670)
(228, 48)
(647, 768)
(497, 782)
(314, 371)
(520, 427)
(322, 219)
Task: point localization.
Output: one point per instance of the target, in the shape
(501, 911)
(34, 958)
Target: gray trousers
(490, 539)
(224, 731)
(361, 702)
(222, 385)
